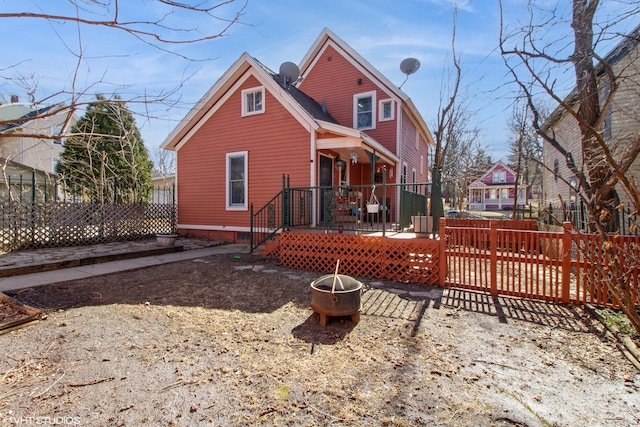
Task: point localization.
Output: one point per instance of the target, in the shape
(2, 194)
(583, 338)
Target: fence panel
(37, 225)
(560, 267)
(593, 268)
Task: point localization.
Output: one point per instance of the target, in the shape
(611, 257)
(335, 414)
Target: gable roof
(307, 111)
(478, 182)
(328, 38)
(15, 115)
(222, 89)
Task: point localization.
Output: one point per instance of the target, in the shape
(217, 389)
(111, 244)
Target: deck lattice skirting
(373, 257)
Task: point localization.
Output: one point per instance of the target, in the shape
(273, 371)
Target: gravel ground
(231, 340)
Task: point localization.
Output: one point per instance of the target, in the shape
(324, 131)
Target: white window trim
(371, 94)
(500, 177)
(381, 117)
(421, 165)
(244, 94)
(228, 204)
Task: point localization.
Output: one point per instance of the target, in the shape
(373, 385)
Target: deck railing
(355, 208)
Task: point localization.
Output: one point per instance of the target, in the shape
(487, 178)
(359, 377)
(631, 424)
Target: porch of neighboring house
(494, 198)
(499, 257)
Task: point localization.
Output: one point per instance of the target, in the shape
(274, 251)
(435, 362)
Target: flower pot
(422, 223)
(373, 207)
(166, 239)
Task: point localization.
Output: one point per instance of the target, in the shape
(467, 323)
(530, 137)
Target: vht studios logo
(38, 421)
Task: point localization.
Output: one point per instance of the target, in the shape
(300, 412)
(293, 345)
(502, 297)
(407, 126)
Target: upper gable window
(253, 101)
(499, 177)
(386, 110)
(364, 110)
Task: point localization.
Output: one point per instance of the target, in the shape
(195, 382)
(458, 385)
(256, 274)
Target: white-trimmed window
(364, 110)
(253, 101)
(385, 110)
(421, 164)
(237, 180)
(499, 177)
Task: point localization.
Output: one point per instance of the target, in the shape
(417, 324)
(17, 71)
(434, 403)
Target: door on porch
(325, 179)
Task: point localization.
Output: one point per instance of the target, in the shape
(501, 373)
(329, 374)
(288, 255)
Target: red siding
(276, 143)
(334, 80)
(408, 151)
(510, 177)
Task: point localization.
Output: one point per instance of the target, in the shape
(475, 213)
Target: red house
(324, 122)
(495, 190)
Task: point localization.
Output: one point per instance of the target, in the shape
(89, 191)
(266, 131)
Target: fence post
(33, 186)
(567, 226)
(384, 200)
(493, 259)
(442, 273)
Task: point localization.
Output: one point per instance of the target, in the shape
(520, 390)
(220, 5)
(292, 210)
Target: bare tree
(164, 162)
(601, 162)
(444, 128)
(525, 149)
(167, 26)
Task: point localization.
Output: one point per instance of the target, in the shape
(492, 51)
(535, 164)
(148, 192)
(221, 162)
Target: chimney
(15, 99)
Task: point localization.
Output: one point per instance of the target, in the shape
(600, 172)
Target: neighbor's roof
(16, 114)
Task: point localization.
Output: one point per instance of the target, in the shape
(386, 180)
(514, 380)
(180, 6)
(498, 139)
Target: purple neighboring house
(495, 190)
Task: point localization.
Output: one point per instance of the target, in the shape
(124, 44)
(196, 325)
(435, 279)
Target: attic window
(499, 177)
(386, 110)
(364, 110)
(252, 101)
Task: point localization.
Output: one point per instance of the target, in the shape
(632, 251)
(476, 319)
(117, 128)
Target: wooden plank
(14, 313)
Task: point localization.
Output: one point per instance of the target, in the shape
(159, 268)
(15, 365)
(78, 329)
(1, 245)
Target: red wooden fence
(500, 257)
(564, 267)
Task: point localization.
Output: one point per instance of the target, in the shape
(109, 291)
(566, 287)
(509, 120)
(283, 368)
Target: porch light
(340, 164)
(354, 157)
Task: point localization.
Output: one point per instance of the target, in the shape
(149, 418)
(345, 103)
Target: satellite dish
(409, 66)
(289, 72)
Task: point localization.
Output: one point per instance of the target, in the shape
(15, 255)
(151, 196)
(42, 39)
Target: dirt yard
(232, 341)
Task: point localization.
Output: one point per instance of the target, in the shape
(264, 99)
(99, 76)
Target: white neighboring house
(27, 139)
(621, 125)
(163, 188)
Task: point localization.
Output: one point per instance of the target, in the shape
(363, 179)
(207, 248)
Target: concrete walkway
(191, 249)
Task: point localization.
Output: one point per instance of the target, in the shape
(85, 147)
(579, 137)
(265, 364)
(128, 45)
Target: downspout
(313, 173)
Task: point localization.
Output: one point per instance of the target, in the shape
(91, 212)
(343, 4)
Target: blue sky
(274, 31)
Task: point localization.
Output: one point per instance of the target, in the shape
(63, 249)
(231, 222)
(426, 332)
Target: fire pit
(336, 295)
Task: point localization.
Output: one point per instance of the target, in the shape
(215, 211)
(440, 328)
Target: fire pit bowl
(343, 301)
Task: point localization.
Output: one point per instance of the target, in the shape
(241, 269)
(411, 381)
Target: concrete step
(69, 262)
